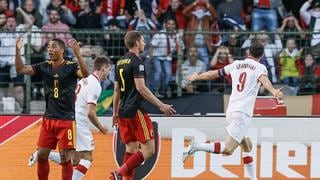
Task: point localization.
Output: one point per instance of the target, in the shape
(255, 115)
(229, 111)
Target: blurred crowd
(206, 34)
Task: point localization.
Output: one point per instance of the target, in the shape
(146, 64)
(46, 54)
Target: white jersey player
(247, 76)
(88, 91)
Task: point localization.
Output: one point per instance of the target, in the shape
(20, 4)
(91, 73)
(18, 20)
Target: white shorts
(84, 139)
(238, 125)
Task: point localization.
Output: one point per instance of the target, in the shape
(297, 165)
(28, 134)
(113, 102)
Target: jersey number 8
(56, 89)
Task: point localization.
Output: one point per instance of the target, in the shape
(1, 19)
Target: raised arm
(267, 84)
(94, 119)
(83, 71)
(148, 95)
(20, 67)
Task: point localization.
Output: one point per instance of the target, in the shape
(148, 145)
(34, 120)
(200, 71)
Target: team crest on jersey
(146, 167)
(141, 67)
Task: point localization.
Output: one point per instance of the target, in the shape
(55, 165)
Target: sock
(131, 173)
(216, 147)
(55, 157)
(249, 165)
(67, 170)
(43, 169)
(81, 169)
(134, 161)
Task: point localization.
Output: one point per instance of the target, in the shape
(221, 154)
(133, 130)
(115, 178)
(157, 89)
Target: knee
(42, 156)
(228, 151)
(248, 148)
(65, 156)
(149, 152)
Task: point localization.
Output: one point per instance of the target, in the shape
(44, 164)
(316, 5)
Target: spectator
(264, 15)
(115, 45)
(3, 19)
(192, 65)
(164, 48)
(73, 5)
(288, 63)
(55, 28)
(112, 9)
(234, 46)
(174, 11)
(4, 7)
(86, 53)
(200, 17)
(230, 14)
(7, 69)
(309, 73)
(65, 13)
(291, 25)
(312, 19)
(270, 51)
(87, 17)
(142, 23)
(220, 59)
(29, 8)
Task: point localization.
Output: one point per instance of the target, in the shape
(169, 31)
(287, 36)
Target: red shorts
(61, 132)
(139, 128)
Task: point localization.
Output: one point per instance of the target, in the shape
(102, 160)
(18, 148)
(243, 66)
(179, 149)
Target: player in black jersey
(58, 124)
(130, 93)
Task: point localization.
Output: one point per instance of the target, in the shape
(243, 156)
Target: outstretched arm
(147, 94)
(267, 84)
(213, 74)
(20, 67)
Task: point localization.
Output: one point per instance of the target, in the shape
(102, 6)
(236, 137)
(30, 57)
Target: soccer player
(88, 91)
(129, 113)
(247, 76)
(60, 80)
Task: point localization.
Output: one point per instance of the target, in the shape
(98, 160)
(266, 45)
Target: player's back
(245, 84)
(88, 91)
(129, 67)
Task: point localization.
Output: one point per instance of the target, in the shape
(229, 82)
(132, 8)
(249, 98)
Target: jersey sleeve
(93, 95)
(138, 69)
(228, 68)
(262, 71)
(75, 67)
(37, 68)
(116, 74)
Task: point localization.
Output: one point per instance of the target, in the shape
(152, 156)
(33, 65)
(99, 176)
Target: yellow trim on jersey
(144, 125)
(74, 133)
(70, 62)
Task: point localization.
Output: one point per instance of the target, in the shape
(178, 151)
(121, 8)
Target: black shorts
(5, 78)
